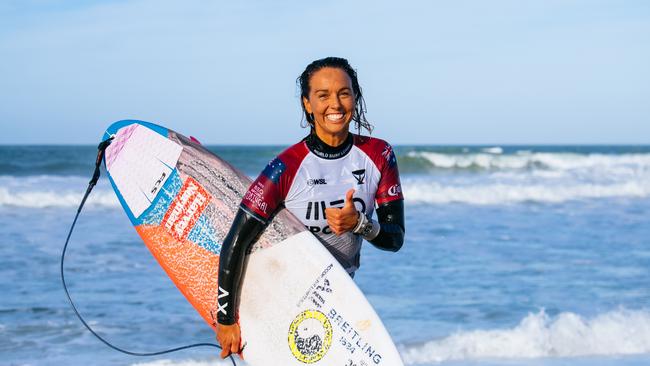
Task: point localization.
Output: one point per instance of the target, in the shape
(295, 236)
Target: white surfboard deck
(298, 305)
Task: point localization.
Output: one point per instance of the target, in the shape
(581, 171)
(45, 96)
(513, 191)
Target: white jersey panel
(322, 183)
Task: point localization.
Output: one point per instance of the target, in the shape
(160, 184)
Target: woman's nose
(335, 103)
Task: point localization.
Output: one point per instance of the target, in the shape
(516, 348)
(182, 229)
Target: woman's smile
(335, 117)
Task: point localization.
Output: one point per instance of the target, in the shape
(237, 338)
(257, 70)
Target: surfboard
(298, 305)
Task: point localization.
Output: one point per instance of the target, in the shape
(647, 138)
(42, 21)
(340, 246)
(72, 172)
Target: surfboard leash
(93, 181)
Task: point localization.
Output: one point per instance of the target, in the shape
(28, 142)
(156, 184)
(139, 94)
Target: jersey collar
(325, 151)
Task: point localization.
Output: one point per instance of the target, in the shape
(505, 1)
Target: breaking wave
(44, 199)
(619, 332)
(524, 176)
(505, 193)
(495, 159)
(42, 191)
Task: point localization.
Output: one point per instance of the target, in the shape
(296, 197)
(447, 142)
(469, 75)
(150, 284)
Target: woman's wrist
(366, 227)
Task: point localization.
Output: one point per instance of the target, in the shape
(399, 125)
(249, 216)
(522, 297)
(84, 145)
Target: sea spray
(618, 332)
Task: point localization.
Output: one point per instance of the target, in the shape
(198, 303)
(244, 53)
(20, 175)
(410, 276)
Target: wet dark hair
(359, 115)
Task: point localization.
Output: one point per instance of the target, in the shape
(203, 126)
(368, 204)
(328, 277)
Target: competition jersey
(311, 176)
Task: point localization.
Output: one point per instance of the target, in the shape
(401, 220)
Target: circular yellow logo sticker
(310, 336)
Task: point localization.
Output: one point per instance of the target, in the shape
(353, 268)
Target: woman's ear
(307, 105)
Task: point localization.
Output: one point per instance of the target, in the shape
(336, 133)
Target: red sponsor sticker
(185, 209)
(254, 198)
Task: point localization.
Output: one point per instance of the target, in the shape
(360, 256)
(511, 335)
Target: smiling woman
(331, 181)
(315, 84)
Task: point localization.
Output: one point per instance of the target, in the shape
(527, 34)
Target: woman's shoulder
(372, 145)
(294, 154)
(380, 151)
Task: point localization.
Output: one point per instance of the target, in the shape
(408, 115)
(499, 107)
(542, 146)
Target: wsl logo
(315, 182)
(359, 175)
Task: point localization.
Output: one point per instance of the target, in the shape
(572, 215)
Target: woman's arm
(260, 202)
(391, 226)
(244, 231)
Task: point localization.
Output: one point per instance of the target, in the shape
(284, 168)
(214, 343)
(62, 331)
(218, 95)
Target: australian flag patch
(274, 170)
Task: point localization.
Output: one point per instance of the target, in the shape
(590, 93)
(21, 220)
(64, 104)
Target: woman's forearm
(244, 231)
(391, 220)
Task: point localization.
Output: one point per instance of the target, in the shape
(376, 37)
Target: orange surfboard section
(181, 200)
(193, 269)
(182, 216)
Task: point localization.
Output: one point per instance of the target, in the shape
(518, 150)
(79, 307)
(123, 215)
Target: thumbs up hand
(342, 220)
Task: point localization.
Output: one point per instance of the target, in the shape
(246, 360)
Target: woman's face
(331, 100)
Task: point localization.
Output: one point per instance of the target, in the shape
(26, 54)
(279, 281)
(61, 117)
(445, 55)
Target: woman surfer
(330, 167)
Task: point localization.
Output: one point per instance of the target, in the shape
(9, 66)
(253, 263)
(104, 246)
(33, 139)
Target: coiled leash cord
(93, 181)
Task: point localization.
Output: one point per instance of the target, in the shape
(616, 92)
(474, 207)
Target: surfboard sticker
(186, 209)
(310, 336)
(140, 161)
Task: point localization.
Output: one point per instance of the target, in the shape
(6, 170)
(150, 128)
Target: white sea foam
(504, 193)
(51, 198)
(492, 159)
(506, 178)
(493, 150)
(40, 191)
(619, 332)
(529, 177)
(484, 192)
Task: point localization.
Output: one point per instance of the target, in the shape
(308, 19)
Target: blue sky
(433, 72)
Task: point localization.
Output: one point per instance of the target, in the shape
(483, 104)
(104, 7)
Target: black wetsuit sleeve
(244, 231)
(391, 221)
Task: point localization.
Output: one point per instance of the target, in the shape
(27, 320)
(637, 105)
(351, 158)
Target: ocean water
(514, 255)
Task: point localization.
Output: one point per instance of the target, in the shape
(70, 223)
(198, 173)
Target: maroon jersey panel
(381, 153)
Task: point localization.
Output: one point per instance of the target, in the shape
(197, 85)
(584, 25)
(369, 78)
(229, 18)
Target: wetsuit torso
(307, 178)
